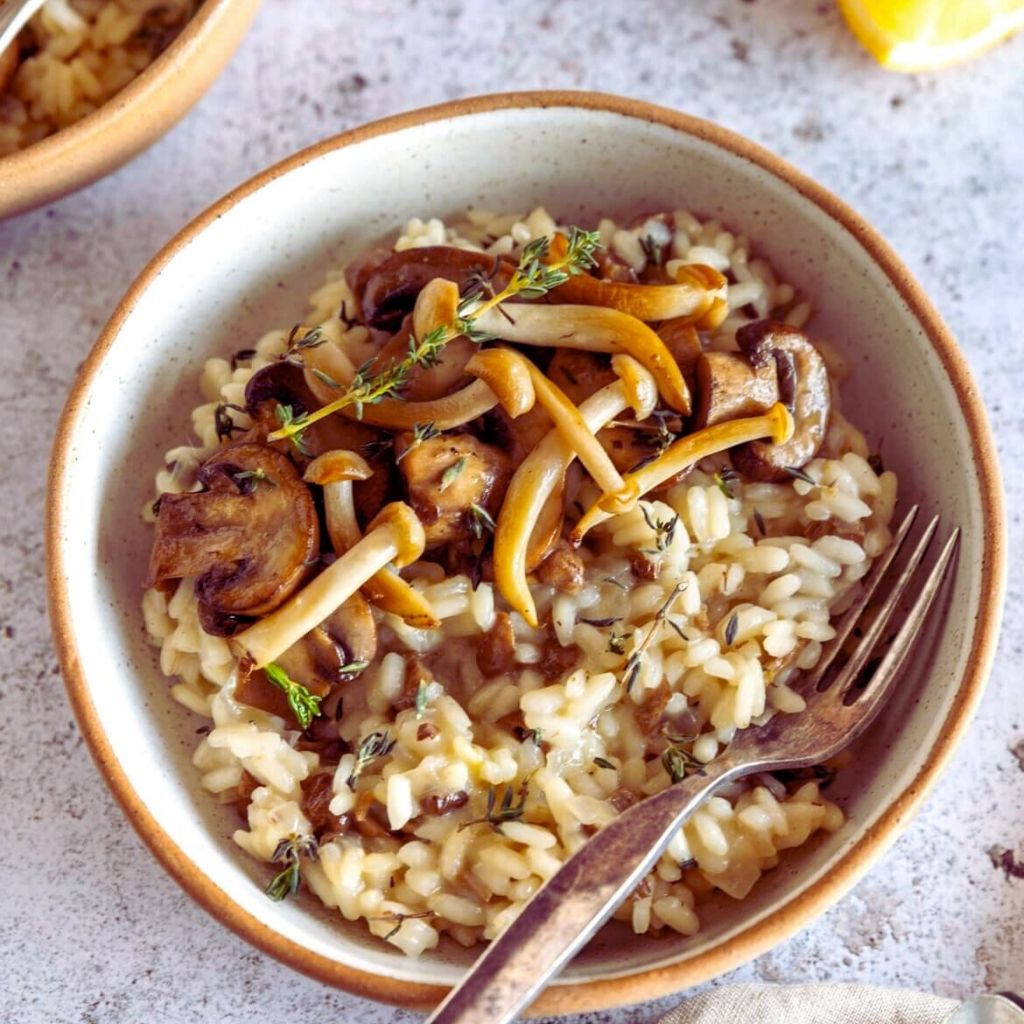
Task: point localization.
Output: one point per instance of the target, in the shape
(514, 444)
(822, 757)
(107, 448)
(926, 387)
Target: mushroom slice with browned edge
(729, 386)
(250, 536)
(803, 389)
(390, 289)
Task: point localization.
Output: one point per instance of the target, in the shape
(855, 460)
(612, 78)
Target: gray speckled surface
(92, 930)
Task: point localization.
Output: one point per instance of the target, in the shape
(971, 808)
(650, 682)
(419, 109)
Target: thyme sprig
(249, 479)
(664, 530)
(289, 851)
(724, 480)
(532, 278)
(481, 521)
(305, 705)
(497, 814)
(420, 433)
(631, 670)
(377, 744)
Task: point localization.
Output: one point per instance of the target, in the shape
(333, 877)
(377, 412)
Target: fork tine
(851, 616)
(894, 657)
(862, 652)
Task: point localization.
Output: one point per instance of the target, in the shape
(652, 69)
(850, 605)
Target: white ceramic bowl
(248, 263)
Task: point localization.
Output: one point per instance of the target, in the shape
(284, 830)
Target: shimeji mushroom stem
(396, 535)
(592, 329)
(536, 480)
(776, 424)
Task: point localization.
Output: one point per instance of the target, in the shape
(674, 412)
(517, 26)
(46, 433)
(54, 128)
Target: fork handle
(569, 908)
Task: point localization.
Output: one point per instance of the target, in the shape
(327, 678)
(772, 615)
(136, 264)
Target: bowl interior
(250, 269)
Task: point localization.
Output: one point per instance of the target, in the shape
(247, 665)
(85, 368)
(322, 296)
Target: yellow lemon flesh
(920, 35)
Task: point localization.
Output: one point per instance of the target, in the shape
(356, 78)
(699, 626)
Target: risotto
(519, 527)
(73, 56)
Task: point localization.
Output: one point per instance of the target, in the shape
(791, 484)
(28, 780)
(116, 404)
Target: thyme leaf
(422, 695)
(377, 744)
(532, 278)
(249, 479)
(759, 521)
(420, 433)
(497, 814)
(732, 628)
(631, 670)
(603, 762)
(480, 521)
(450, 475)
(225, 426)
(664, 529)
(305, 705)
(289, 852)
(679, 763)
(724, 480)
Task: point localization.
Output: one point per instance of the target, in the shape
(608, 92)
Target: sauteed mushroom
(391, 288)
(803, 388)
(447, 477)
(250, 535)
(729, 386)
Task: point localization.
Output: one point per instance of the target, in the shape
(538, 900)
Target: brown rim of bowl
(756, 939)
(131, 120)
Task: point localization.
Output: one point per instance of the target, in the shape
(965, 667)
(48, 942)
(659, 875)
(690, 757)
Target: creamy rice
(74, 55)
(757, 570)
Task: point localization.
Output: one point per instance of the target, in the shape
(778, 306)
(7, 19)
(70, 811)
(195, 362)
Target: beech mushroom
(334, 472)
(391, 288)
(395, 535)
(595, 329)
(538, 478)
(249, 536)
(803, 388)
(776, 424)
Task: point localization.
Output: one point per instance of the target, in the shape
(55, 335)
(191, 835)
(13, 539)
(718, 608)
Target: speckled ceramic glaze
(133, 119)
(248, 264)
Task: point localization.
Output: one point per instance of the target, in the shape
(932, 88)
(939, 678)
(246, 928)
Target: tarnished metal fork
(569, 908)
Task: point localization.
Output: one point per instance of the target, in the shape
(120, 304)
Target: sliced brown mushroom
(250, 536)
(447, 477)
(803, 388)
(390, 290)
(729, 386)
(285, 384)
(337, 649)
(8, 64)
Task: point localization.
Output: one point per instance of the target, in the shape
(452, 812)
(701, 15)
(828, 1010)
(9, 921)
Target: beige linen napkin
(811, 1004)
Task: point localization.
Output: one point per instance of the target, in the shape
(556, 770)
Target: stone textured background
(91, 929)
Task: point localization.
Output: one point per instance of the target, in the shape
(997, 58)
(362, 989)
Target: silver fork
(569, 908)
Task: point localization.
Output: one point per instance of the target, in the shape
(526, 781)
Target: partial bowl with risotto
(553, 484)
(88, 84)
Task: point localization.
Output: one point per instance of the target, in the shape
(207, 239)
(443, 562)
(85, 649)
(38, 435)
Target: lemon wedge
(921, 35)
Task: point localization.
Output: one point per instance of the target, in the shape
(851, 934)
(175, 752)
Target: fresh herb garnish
(536, 735)
(653, 249)
(422, 694)
(420, 433)
(480, 521)
(759, 521)
(288, 852)
(249, 479)
(615, 582)
(243, 355)
(617, 642)
(631, 670)
(377, 744)
(532, 278)
(680, 763)
(664, 530)
(325, 378)
(724, 480)
(602, 623)
(305, 705)
(732, 628)
(352, 668)
(292, 428)
(399, 920)
(603, 762)
(497, 813)
(663, 437)
(450, 475)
